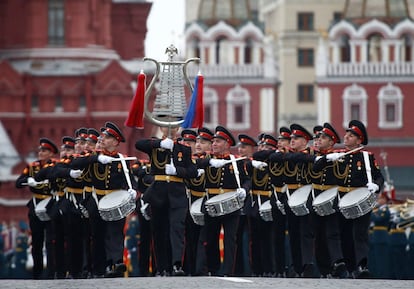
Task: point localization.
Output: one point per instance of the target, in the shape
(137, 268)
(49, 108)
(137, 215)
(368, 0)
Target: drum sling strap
(236, 170)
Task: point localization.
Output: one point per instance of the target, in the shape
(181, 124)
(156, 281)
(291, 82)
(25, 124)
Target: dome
(234, 12)
(388, 11)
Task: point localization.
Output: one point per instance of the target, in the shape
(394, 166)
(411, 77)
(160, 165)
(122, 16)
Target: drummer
(278, 198)
(352, 172)
(221, 177)
(261, 231)
(107, 176)
(195, 257)
(41, 230)
(324, 238)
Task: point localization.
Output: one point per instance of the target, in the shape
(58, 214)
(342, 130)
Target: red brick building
(63, 65)
(365, 71)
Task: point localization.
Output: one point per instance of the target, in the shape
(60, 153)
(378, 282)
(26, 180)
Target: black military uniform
(106, 177)
(323, 235)
(168, 200)
(39, 229)
(351, 173)
(196, 190)
(221, 180)
(261, 231)
(141, 170)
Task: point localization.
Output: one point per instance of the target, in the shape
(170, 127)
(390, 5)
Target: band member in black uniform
(41, 190)
(278, 198)
(261, 231)
(141, 171)
(60, 209)
(221, 177)
(171, 163)
(195, 191)
(352, 172)
(246, 148)
(295, 174)
(107, 175)
(322, 232)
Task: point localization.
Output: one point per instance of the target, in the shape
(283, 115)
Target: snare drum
(357, 203)
(223, 204)
(297, 200)
(265, 211)
(195, 211)
(116, 206)
(40, 209)
(323, 203)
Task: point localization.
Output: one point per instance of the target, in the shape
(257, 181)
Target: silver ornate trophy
(170, 104)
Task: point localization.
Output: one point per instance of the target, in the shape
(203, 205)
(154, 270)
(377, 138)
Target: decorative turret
(387, 11)
(233, 12)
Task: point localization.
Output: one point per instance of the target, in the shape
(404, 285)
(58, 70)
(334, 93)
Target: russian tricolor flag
(195, 114)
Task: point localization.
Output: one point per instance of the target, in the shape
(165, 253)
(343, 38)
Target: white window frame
(210, 99)
(354, 94)
(238, 96)
(390, 94)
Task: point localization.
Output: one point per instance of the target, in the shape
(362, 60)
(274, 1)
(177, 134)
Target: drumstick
(124, 159)
(236, 159)
(352, 151)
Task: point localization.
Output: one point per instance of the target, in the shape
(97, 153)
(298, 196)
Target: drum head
(300, 195)
(353, 197)
(196, 206)
(42, 204)
(326, 196)
(220, 197)
(113, 200)
(266, 206)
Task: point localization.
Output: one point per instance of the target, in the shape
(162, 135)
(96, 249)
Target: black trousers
(42, 231)
(262, 245)
(213, 226)
(168, 227)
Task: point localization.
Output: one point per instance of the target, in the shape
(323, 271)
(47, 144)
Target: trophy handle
(187, 80)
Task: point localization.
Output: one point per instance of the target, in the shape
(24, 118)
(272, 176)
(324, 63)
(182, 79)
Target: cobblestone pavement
(206, 283)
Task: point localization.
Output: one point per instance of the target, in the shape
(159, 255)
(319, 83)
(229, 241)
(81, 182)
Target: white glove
(200, 172)
(84, 211)
(143, 209)
(31, 182)
(133, 193)
(333, 157)
(372, 187)
(103, 159)
(170, 169)
(75, 173)
(217, 163)
(259, 165)
(167, 144)
(281, 207)
(241, 193)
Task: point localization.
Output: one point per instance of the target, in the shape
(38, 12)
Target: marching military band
(307, 209)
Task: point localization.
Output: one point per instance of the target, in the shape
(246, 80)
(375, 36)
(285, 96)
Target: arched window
(355, 100)
(248, 51)
(219, 49)
(238, 108)
(407, 48)
(374, 48)
(195, 47)
(390, 101)
(345, 49)
(210, 101)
